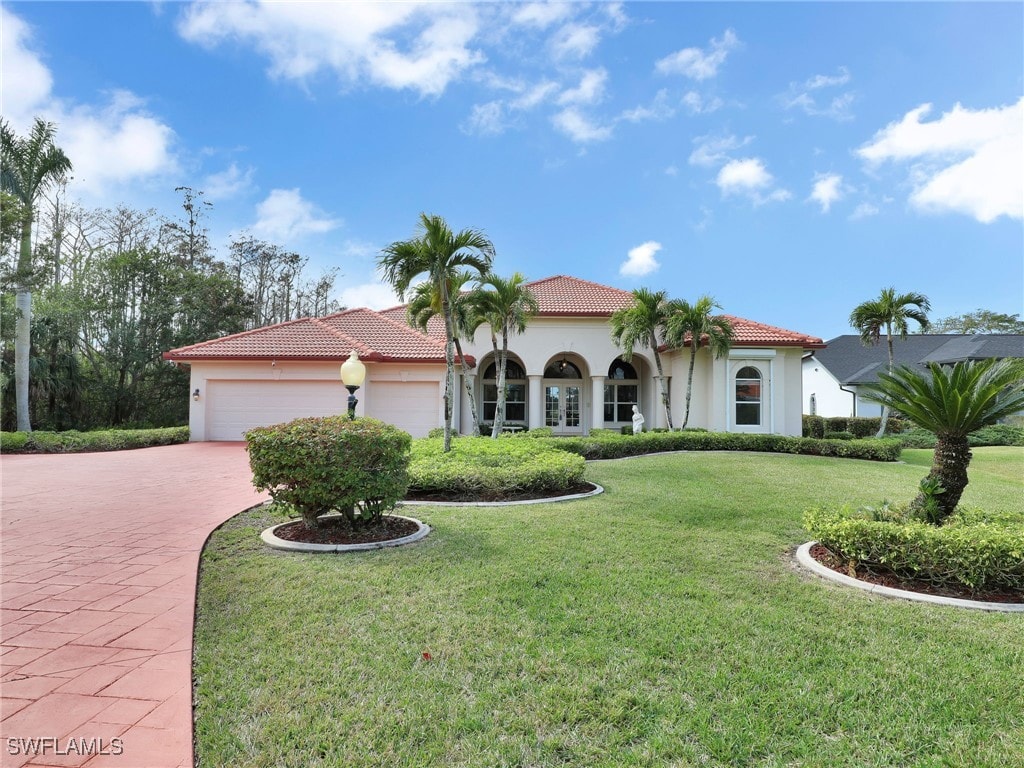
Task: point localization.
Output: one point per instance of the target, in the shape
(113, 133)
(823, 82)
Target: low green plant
(859, 426)
(967, 551)
(357, 467)
(839, 436)
(492, 469)
(73, 441)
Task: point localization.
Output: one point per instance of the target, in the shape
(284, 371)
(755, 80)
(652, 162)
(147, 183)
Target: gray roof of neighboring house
(851, 362)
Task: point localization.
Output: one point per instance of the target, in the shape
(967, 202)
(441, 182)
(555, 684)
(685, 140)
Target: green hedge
(82, 442)
(482, 469)
(860, 426)
(996, 434)
(973, 550)
(617, 446)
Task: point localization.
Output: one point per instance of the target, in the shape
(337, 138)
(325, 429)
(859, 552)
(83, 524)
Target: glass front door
(562, 409)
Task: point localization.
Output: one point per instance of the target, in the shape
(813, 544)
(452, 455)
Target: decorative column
(536, 402)
(597, 402)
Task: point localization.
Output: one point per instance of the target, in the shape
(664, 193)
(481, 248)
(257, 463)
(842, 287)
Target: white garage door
(232, 407)
(410, 405)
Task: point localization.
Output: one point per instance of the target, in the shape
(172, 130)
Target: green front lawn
(659, 624)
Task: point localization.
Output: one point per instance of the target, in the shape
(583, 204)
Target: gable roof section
(851, 362)
(748, 333)
(375, 337)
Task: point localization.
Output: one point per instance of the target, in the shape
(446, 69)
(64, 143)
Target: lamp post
(352, 374)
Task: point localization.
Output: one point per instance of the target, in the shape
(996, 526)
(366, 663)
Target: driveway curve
(98, 566)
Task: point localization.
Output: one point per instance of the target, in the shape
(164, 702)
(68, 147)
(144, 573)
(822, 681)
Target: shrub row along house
(564, 372)
(834, 376)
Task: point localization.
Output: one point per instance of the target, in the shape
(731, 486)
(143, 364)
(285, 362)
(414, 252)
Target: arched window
(562, 369)
(515, 392)
(621, 392)
(748, 396)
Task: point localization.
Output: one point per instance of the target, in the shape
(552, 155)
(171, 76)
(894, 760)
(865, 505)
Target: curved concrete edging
(297, 546)
(571, 497)
(803, 556)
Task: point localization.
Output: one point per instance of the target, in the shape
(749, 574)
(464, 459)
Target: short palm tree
(28, 166)
(506, 305)
(439, 253)
(694, 326)
(425, 303)
(952, 402)
(638, 325)
(889, 312)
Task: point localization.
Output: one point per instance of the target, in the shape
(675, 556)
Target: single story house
(564, 372)
(834, 377)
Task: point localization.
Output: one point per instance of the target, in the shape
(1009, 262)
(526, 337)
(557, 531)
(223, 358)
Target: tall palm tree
(425, 303)
(638, 325)
(28, 166)
(952, 402)
(506, 305)
(693, 325)
(438, 253)
(889, 312)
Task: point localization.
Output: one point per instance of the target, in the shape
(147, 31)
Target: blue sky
(788, 159)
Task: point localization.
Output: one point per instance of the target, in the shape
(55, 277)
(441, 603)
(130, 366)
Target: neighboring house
(564, 372)
(834, 377)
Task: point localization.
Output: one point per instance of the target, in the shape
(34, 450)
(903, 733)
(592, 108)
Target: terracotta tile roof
(373, 335)
(564, 296)
(750, 333)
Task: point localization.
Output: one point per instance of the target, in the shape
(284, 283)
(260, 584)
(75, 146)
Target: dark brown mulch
(414, 495)
(886, 578)
(337, 531)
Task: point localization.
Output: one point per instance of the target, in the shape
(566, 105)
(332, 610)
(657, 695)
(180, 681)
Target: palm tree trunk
(949, 467)
(468, 386)
(884, 421)
(661, 380)
(689, 384)
(23, 326)
(499, 410)
(449, 381)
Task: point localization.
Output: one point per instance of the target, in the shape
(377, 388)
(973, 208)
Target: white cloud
(967, 161)
(535, 95)
(590, 89)
(228, 183)
(713, 150)
(657, 110)
(575, 41)
(828, 188)
(640, 261)
(579, 127)
(285, 215)
(108, 143)
(542, 15)
(697, 64)
(863, 211)
(801, 96)
(749, 178)
(369, 295)
(697, 105)
(671, 171)
(422, 47)
(485, 120)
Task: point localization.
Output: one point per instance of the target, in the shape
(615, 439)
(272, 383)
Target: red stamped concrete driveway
(99, 559)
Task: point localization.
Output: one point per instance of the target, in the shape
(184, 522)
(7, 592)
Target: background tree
(979, 321)
(693, 326)
(28, 165)
(439, 253)
(638, 325)
(425, 304)
(952, 402)
(506, 305)
(890, 312)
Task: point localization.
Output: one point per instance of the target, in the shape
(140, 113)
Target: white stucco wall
(831, 399)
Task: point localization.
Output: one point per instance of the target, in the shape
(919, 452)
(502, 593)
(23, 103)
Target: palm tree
(693, 325)
(425, 303)
(438, 253)
(952, 402)
(638, 325)
(506, 305)
(889, 312)
(28, 166)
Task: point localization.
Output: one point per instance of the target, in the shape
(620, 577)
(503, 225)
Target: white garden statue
(638, 421)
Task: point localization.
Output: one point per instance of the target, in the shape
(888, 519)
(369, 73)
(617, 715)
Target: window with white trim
(748, 396)
(621, 392)
(515, 392)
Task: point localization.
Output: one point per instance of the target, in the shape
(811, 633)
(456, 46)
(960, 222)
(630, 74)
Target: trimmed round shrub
(316, 465)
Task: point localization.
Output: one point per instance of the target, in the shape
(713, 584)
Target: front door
(562, 408)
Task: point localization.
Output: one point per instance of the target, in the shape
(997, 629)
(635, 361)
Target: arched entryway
(563, 388)
(515, 392)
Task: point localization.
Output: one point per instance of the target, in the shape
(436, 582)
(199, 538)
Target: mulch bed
(441, 498)
(337, 531)
(887, 578)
